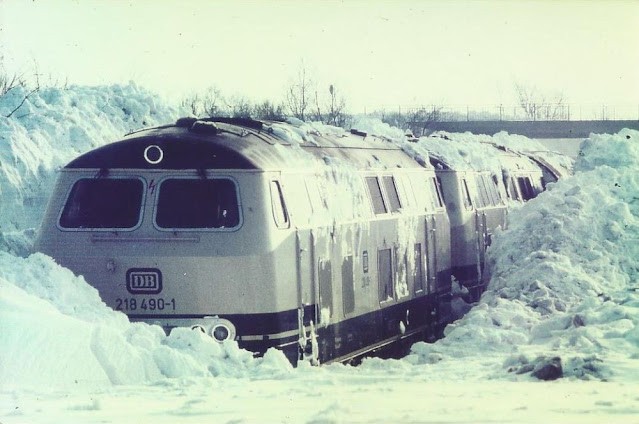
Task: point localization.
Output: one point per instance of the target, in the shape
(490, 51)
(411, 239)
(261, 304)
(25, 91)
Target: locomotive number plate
(144, 281)
(152, 304)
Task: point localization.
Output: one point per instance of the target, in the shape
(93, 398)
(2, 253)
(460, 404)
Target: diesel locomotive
(324, 244)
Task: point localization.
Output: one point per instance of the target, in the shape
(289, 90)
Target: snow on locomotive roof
(474, 152)
(238, 143)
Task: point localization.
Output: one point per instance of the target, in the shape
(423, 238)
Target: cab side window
(278, 205)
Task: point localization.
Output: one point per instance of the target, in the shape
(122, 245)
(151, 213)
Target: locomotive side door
(305, 272)
(482, 237)
(308, 293)
(324, 309)
(431, 253)
(325, 291)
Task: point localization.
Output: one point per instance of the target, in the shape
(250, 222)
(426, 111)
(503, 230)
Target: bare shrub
(269, 111)
(208, 103)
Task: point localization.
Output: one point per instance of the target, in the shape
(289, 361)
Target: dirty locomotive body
(324, 246)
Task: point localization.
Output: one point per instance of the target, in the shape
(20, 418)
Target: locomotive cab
(172, 238)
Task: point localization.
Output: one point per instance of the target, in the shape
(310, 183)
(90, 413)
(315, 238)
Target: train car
(324, 245)
(470, 175)
(480, 181)
(476, 209)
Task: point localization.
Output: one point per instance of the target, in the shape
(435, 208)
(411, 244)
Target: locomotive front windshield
(197, 204)
(103, 203)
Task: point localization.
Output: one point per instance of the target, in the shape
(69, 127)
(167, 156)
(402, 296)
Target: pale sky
(378, 53)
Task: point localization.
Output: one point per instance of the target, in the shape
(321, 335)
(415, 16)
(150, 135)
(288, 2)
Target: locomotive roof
(237, 143)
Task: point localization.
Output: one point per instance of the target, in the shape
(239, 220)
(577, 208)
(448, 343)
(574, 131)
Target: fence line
(505, 112)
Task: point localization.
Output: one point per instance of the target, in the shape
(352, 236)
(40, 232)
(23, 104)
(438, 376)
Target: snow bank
(52, 127)
(565, 275)
(56, 331)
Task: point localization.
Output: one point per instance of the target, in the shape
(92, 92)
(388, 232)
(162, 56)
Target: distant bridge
(531, 129)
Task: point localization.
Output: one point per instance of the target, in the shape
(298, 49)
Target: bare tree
(418, 120)
(209, 103)
(10, 81)
(329, 110)
(394, 119)
(298, 95)
(537, 105)
(317, 110)
(336, 114)
(415, 120)
(239, 107)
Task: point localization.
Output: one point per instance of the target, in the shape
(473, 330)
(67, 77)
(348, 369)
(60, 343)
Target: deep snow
(565, 285)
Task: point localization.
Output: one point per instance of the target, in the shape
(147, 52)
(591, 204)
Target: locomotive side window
(376, 195)
(391, 191)
(405, 191)
(197, 204)
(468, 204)
(526, 188)
(488, 191)
(279, 207)
(512, 189)
(491, 185)
(484, 200)
(438, 188)
(496, 191)
(103, 203)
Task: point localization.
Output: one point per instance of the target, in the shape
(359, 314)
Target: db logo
(144, 281)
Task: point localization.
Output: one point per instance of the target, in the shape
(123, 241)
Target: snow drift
(58, 332)
(565, 275)
(564, 288)
(48, 130)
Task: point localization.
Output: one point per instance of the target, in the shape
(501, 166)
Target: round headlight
(220, 332)
(223, 330)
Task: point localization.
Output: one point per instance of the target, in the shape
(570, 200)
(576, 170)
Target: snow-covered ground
(567, 146)
(564, 293)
